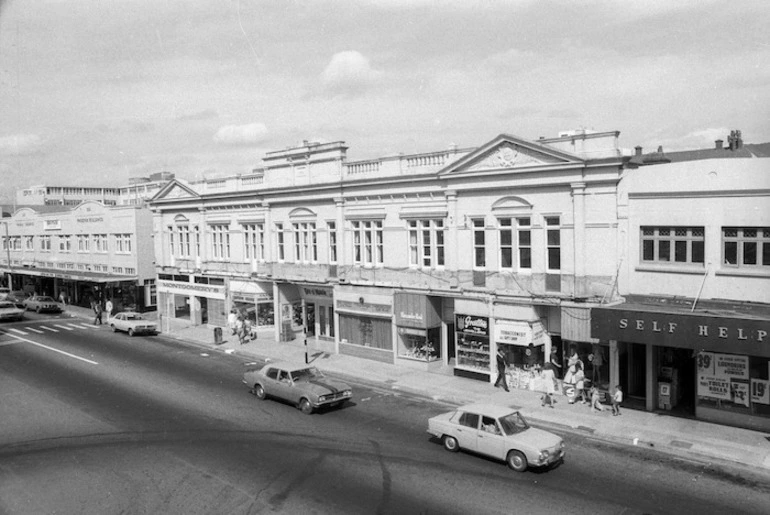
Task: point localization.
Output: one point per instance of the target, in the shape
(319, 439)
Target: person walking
(617, 398)
(549, 378)
(97, 313)
(579, 384)
(502, 365)
(232, 317)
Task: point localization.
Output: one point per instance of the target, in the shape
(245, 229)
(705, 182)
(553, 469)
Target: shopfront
(196, 303)
(474, 357)
(418, 330)
(712, 364)
(365, 323)
(254, 300)
(523, 343)
(318, 302)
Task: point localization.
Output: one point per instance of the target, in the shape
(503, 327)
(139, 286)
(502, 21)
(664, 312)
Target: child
(617, 398)
(595, 402)
(547, 400)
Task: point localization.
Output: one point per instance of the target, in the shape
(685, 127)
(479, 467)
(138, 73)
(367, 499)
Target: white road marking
(34, 330)
(76, 326)
(63, 327)
(19, 331)
(84, 326)
(49, 328)
(57, 350)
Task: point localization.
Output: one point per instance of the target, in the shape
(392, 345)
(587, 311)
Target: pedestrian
(231, 319)
(502, 365)
(62, 297)
(579, 384)
(245, 334)
(555, 361)
(596, 399)
(550, 386)
(617, 398)
(108, 308)
(97, 313)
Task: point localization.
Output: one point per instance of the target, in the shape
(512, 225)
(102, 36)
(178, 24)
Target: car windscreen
(306, 374)
(44, 299)
(513, 423)
(7, 305)
(134, 317)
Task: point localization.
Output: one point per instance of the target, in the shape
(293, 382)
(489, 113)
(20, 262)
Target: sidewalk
(691, 439)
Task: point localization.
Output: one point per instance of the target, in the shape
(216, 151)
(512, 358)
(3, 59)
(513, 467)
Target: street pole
(8, 250)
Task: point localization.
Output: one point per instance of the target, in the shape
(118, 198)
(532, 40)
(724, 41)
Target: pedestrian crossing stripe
(49, 328)
(63, 327)
(34, 330)
(18, 331)
(76, 326)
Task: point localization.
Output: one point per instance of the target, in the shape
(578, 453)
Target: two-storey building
(433, 260)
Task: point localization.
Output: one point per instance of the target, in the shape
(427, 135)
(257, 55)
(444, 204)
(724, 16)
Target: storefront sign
(91, 219)
(472, 324)
(513, 333)
(747, 336)
(317, 292)
(413, 310)
(364, 307)
(182, 288)
(760, 391)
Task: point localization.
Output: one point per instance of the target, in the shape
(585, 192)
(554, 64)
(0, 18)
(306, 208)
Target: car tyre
(305, 406)
(37, 309)
(130, 332)
(450, 443)
(114, 329)
(259, 392)
(517, 461)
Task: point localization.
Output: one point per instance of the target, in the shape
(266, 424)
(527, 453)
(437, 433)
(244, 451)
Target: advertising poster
(760, 391)
(730, 365)
(714, 388)
(740, 391)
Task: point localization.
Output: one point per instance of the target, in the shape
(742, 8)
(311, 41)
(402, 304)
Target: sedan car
(9, 311)
(498, 432)
(17, 297)
(42, 303)
(302, 385)
(132, 323)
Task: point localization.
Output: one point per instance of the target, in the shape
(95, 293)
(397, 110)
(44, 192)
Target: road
(96, 422)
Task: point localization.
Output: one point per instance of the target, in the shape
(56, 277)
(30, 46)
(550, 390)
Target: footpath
(692, 440)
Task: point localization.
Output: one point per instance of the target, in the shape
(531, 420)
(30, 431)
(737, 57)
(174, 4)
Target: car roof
(492, 410)
(288, 365)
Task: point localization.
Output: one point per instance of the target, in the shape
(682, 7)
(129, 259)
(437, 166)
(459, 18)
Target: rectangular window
(183, 233)
(220, 241)
(279, 237)
(506, 243)
(331, 228)
(553, 242)
(684, 245)
(426, 243)
(100, 243)
(45, 243)
(84, 243)
(367, 242)
(479, 243)
(746, 246)
(251, 242)
(305, 246)
(123, 243)
(65, 243)
(524, 240)
(171, 240)
(197, 241)
(29, 243)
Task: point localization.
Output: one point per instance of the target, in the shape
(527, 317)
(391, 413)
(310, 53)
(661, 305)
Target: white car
(9, 311)
(132, 323)
(499, 432)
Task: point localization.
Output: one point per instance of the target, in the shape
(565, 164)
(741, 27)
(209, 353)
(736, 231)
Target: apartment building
(432, 260)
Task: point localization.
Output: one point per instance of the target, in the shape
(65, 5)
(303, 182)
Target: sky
(94, 92)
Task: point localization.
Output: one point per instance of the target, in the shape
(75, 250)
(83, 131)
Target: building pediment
(175, 190)
(507, 152)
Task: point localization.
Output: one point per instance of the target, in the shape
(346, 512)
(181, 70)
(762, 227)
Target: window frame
(761, 252)
(672, 243)
(427, 242)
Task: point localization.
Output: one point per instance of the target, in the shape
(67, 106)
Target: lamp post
(8, 250)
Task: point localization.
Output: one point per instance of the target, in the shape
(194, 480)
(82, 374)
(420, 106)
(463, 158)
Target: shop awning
(740, 328)
(72, 275)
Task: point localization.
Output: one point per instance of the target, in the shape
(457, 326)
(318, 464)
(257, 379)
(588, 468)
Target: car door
(491, 440)
(283, 388)
(270, 383)
(466, 430)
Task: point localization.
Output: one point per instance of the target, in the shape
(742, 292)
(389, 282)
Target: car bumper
(552, 458)
(11, 317)
(336, 399)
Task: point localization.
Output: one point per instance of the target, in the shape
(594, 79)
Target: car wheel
(305, 406)
(130, 332)
(517, 461)
(114, 329)
(259, 392)
(450, 443)
(37, 309)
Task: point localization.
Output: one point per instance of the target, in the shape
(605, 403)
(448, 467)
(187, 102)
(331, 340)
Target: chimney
(660, 149)
(719, 143)
(638, 149)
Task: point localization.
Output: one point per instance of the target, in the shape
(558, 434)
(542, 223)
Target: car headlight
(347, 393)
(544, 455)
(561, 444)
(323, 398)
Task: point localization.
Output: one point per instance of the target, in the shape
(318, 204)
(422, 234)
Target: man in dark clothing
(502, 364)
(97, 313)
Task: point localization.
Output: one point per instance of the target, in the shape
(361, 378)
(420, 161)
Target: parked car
(40, 303)
(499, 432)
(302, 385)
(132, 323)
(17, 297)
(9, 311)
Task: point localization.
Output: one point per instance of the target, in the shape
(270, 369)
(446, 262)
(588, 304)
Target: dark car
(17, 297)
(302, 385)
(40, 303)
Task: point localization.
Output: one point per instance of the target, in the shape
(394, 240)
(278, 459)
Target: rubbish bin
(218, 335)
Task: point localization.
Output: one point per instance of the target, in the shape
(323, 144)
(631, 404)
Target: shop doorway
(310, 319)
(204, 304)
(677, 368)
(632, 361)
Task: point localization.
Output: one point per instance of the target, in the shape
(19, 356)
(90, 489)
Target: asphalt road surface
(102, 423)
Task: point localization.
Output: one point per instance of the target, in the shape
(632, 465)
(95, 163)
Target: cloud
(348, 72)
(241, 134)
(20, 144)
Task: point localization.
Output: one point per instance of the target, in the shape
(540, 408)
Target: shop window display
(420, 344)
(473, 352)
(594, 358)
(735, 383)
(526, 370)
